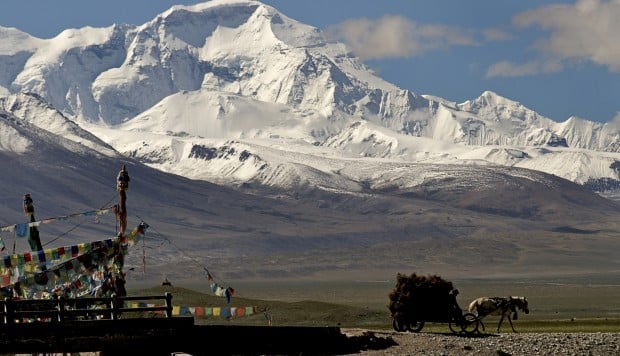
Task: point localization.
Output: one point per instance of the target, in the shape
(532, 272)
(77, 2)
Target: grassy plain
(568, 304)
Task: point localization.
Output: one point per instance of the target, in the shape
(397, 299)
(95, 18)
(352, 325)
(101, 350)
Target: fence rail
(63, 309)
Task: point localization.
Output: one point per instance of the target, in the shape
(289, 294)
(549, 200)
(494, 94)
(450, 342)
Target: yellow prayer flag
(216, 311)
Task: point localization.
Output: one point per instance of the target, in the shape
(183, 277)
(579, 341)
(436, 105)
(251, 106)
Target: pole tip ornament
(122, 181)
(28, 205)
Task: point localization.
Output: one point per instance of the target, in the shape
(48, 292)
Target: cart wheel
(415, 326)
(399, 325)
(453, 325)
(470, 322)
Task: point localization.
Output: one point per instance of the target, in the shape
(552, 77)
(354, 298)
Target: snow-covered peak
(194, 23)
(53, 50)
(495, 107)
(15, 41)
(238, 69)
(33, 109)
(488, 98)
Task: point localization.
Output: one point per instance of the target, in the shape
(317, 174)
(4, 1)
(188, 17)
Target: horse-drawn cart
(418, 299)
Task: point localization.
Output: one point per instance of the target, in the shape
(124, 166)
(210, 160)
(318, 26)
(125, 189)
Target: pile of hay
(426, 298)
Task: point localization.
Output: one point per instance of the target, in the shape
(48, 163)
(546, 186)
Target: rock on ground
(406, 343)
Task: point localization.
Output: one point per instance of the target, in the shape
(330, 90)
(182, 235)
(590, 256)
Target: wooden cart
(418, 299)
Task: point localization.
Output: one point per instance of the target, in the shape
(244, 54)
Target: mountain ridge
(259, 143)
(185, 53)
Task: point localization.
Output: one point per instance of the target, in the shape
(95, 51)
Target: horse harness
(503, 303)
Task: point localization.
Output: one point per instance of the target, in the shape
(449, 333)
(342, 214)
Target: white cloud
(510, 69)
(615, 122)
(587, 30)
(397, 36)
(494, 34)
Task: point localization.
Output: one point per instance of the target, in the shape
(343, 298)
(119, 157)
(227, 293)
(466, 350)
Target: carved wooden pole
(122, 184)
(33, 239)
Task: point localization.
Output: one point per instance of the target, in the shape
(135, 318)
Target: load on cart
(419, 299)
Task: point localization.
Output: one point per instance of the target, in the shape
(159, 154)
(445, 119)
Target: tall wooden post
(122, 184)
(33, 239)
(168, 304)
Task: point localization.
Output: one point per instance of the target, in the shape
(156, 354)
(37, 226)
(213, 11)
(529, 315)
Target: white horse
(484, 306)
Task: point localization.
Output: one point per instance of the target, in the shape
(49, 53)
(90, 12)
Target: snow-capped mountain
(224, 73)
(332, 167)
(364, 217)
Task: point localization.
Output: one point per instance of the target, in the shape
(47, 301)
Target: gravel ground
(607, 344)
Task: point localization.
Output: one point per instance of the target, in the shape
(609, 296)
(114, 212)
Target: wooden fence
(67, 325)
(63, 309)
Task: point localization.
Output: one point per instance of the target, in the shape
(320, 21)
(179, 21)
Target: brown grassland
(570, 304)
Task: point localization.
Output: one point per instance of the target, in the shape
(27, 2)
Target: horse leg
(510, 320)
(480, 316)
(500, 322)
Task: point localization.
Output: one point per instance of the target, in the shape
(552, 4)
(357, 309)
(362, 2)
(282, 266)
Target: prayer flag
(183, 311)
(22, 229)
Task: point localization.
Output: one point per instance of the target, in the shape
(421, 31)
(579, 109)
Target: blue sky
(560, 58)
